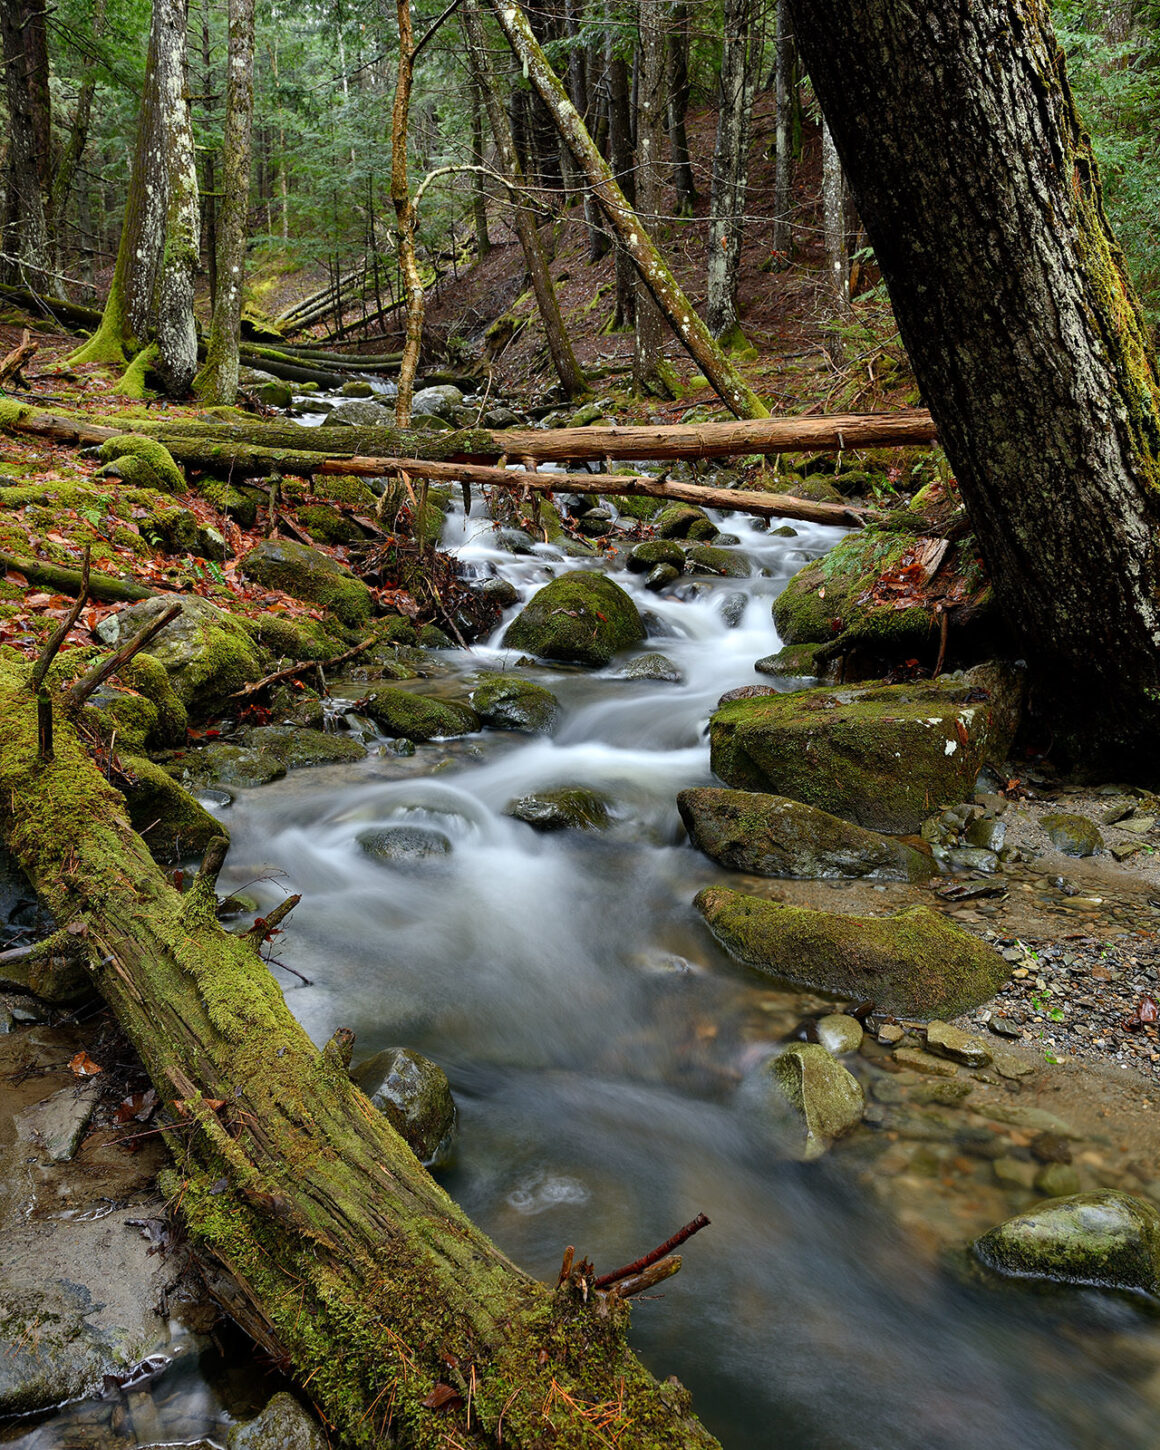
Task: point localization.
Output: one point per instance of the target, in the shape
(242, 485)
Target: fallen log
(57, 309)
(409, 1328)
(13, 365)
(71, 581)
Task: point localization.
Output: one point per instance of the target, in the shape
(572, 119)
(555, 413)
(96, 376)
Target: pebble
(1055, 1180)
(839, 1033)
(890, 1033)
(947, 1041)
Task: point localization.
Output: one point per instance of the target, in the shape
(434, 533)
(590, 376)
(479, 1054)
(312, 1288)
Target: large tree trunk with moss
(731, 169)
(218, 380)
(407, 1325)
(625, 223)
(977, 186)
(148, 317)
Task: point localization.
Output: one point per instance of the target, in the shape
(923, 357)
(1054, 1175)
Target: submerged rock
(1073, 835)
(770, 835)
(413, 1093)
(913, 964)
(508, 703)
(580, 617)
(572, 808)
(882, 756)
(840, 1033)
(282, 1425)
(653, 666)
(418, 717)
(1108, 1239)
(404, 845)
(825, 1095)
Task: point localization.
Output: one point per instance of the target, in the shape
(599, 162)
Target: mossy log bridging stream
(409, 1326)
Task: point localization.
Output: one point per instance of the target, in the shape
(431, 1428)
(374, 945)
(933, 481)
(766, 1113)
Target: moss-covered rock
(173, 825)
(572, 808)
(1107, 1239)
(323, 522)
(579, 617)
(817, 489)
(162, 473)
(206, 652)
(769, 835)
(404, 714)
(141, 706)
(282, 1425)
(916, 963)
(309, 574)
(509, 703)
(241, 505)
(1072, 834)
(724, 563)
(684, 521)
(175, 530)
(295, 639)
(296, 748)
(792, 661)
(644, 557)
(652, 666)
(824, 1095)
(414, 1094)
(821, 600)
(883, 756)
(223, 763)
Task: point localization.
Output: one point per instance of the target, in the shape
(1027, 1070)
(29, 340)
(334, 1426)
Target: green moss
(328, 525)
(344, 488)
(173, 825)
(311, 575)
(508, 703)
(817, 603)
(401, 713)
(581, 617)
(169, 478)
(240, 505)
(132, 383)
(1107, 1239)
(150, 678)
(293, 639)
(634, 506)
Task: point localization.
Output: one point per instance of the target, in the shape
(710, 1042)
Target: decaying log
(13, 365)
(346, 1258)
(71, 581)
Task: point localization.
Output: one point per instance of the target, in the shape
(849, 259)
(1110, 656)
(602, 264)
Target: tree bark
(622, 164)
(731, 170)
(677, 49)
(24, 236)
(218, 380)
(837, 249)
(478, 190)
(783, 155)
(148, 316)
(690, 329)
(347, 1260)
(405, 217)
(65, 173)
(651, 373)
(977, 186)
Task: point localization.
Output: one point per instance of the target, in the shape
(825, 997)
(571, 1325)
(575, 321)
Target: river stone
(57, 1123)
(768, 835)
(418, 717)
(1057, 1180)
(509, 703)
(679, 520)
(206, 652)
(282, 1425)
(572, 808)
(839, 1033)
(309, 574)
(413, 1093)
(653, 666)
(913, 964)
(356, 414)
(357, 388)
(1108, 1239)
(645, 557)
(220, 763)
(498, 591)
(915, 1060)
(947, 1041)
(826, 1095)
(296, 748)
(881, 756)
(705, 559)
(1073, 835)
(661, 577)
(403, 845)
(580, 617)
(439, 401)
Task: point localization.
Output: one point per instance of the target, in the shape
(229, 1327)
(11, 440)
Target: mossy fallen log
(68, 581)
(407, 1325)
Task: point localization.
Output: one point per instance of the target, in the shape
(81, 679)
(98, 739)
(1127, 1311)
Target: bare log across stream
(347, 1261)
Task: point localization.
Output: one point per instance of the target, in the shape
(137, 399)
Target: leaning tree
(976, 183)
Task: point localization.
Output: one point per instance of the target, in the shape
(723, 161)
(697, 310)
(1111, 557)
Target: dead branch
(97, 676)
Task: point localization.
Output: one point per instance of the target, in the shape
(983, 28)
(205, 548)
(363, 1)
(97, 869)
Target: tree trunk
(218, 380)
(837, 249)
(405, 218)
(623, 168)
(149, 312)
(24, 236)
(346, 1260)
(64, 176)
(731, 171)
(782, 200)
(977, 186)
(677, 47)
(478, 189)
(695, 336)
(651, 373)
(559, 344)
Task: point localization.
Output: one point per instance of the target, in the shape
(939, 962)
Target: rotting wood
(70, 581)
(345, 1258)
(13, 365)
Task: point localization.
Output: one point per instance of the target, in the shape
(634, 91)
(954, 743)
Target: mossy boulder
(509, 703)
(413, 1093)
(823, 599)
(571, 808)
(156, 469)
(882, 756)
(241, 505)
(170, 821)
(223, 763)
(403, 845)
(408, 716)
(644, 557)
(725, 563)
(768, 835)
(1072, 834)
(1107, 1239)
(825, 1096)
(580, 617)
(916, 963)
(355, 413)
(357, 388)
(309, 574)
(282, 1425)
(295, 639)
(206, 652)
(684, 521)
(323, 522)
(296, 748)
(792, 661)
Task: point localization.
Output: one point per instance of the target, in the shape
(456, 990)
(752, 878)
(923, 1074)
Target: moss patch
(164, 473)
(580, 617)
(308, 574)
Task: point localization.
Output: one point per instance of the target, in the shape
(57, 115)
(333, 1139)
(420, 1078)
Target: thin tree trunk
(731, 171)
(622, 164)
(730, 386)
(24, 237)
(677, 46)
(218, 380)
(478, 189)
(64, 177)
(836, 236)
(782, 198)
(209, 197)
(977, 186)
(405, 218)
(650, 371)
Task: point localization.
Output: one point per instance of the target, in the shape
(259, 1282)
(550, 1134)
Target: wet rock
(878, 755)
(725, 563)
(358, 414)
(890, 1034)
(155, 466)
(558, 810)
(514, 541)
(1073, 835)
(1050, 1148)
(404, 845)
(839, 1033)
(1057, 1180)
(985, 833)
(792, 661)
(958, 1046)
(914, 964)
(418, 717)
(746, 692)
(499, 591)
(501, 417)
(206, 652)
(282, 1425)
(1014, 1172)
(311, 575)
(770, 835)
(645, 557)
(914, 1059)
(57, 1123)
(357, 388)
(439, 401)
(413, 1093)
(580, 617)
(684, 521)
(653, 666)
(733, 608)
(1108, 1239)
(661, 577)
(221, 763)
(825, 1095)
(297, 748)
(508, 703)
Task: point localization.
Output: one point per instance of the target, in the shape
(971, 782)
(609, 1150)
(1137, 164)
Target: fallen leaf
(84, 1066)
(1148, 1011)
(443, 1397)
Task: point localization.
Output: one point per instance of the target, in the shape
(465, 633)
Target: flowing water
(601, 1047)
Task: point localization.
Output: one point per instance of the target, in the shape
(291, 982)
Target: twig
(648, 1278)
(44, 727)
(264, 925)
(97, 676)
(943, 630)
(60, 634)
(300, 669)
(639, 1265)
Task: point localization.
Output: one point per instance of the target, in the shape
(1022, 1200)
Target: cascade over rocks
(580, 618)
(913, 964)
